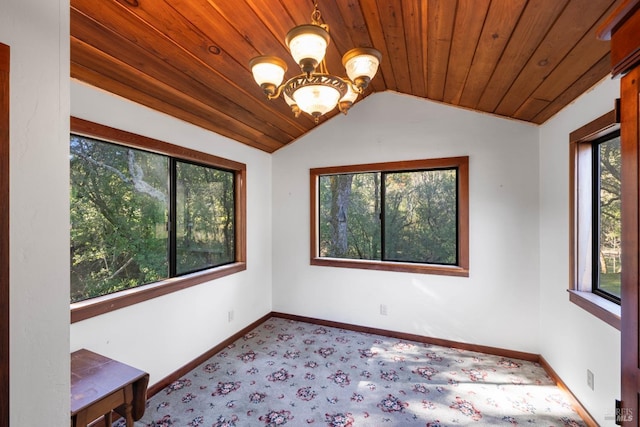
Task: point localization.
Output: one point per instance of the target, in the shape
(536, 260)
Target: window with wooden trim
(403, 216)
(606, 256)
(595, 233)
(148, 217)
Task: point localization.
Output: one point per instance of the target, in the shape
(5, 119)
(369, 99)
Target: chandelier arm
(322, 68)
(277, 92)
(357, 89)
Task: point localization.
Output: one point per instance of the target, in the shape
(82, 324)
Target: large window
(595, 232)
(144, 212)
(402, 216)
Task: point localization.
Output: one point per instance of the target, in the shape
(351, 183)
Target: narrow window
(606, 225)
(403, 216)
(594, 181)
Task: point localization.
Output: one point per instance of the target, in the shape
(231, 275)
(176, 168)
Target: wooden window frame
(104, 304)
(581, 218)
(4, 232)
(461, 269)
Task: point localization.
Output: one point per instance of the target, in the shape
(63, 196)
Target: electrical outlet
(230, 315)
(590, 379)
(383, 309)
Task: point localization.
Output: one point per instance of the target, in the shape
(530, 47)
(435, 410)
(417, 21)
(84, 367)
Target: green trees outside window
(420, 216)
(410, 216)
(594, 226)
(393, 216)
(205, 218)
(130, 226)
(350, 216)
(607, 255)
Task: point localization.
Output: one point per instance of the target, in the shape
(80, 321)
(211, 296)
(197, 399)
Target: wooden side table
(100, 385)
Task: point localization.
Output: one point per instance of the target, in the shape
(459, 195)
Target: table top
(94, 376)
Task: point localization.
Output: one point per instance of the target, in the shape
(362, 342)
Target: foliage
(413, 213)
(609, 207)
(421, 216)
(204, 217)
(120, 207)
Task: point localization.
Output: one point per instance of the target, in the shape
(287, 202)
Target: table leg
(128, 406)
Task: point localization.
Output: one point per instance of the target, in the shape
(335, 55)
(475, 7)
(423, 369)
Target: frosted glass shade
(308, 45)
(288, 100)
(268, 70)
(291, 103)
(361, 65)
(350, 96)
(348, 99)
(316, 100)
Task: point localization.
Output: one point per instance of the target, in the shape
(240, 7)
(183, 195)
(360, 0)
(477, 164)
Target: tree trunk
(340, 196)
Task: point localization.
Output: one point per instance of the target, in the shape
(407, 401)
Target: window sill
(602, 308)
(444, 270)
(83, 310)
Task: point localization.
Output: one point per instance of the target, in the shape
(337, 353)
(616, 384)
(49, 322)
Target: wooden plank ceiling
(524, 59)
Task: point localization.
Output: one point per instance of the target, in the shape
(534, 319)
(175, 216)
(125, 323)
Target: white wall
(571, 339)
(38, 35)
(165, 333)
(498, 304)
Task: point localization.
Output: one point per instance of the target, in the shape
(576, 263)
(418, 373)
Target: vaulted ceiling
(523, 59)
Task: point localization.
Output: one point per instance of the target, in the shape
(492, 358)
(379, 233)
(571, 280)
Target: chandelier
(315, 91)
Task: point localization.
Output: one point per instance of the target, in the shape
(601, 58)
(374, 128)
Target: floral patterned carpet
(296, 374)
